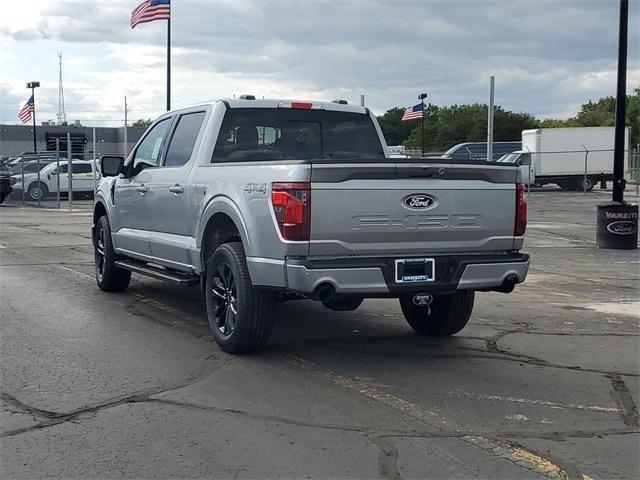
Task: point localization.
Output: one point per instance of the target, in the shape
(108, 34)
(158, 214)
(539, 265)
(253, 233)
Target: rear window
(257, 134)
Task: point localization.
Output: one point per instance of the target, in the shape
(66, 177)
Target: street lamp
(33, 86)
(421, 97)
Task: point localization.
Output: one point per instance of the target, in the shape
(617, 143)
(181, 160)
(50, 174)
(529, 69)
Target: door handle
(176, 189)
(142, 188)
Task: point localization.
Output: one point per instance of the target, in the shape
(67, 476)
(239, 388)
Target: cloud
(548, 56)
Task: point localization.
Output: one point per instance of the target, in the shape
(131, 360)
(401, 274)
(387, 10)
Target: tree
(142, 123)
(447, 126)
(602, 113)
(395, 131)
(468, 123)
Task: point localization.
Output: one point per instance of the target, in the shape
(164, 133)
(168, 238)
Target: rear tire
(447, 314)
(588, 182)
(108, 277)
(240, 316)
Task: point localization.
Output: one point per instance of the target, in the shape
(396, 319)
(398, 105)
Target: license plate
(413, 270)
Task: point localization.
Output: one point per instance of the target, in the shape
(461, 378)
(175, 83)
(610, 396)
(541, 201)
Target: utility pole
(490, 120)
(617, 222)
(62, 115)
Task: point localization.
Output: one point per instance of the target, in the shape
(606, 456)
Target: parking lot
(543, 383)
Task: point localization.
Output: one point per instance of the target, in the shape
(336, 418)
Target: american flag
(25, 112)
(151, 10)
(412, 113)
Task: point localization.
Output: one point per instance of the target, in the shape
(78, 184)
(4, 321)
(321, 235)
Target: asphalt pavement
(543, 382)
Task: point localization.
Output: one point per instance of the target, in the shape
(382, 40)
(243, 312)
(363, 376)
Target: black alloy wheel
(225, 298)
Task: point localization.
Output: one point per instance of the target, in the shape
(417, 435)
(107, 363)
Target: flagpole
(33, 86)
(35, 143)
(169, 64)
(422, 96)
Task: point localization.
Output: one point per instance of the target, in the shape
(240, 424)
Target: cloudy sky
(548, 56)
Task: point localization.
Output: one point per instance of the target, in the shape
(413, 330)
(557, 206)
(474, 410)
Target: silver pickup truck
(259, 201)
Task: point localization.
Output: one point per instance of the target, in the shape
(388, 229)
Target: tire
(240, 316)
(108, 277)
(589, 184)
(345, 304)
(37, 191)
(448, 314)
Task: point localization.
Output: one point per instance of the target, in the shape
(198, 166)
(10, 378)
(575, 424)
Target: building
(15, 139)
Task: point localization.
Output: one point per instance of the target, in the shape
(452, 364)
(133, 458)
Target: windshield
(255, 134)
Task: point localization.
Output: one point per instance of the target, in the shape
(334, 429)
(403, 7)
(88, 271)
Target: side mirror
(111, 166)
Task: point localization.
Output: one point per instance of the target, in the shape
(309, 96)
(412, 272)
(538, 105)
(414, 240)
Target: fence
(52, 174)
(38, 180)
(569, 169)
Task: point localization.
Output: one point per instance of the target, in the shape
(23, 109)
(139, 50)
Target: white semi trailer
(573, 158)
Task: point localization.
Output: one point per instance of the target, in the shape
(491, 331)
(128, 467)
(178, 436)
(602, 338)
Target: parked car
(5, 185)
(478, 150)
(55, 175)
(28, 167)
(259, 201)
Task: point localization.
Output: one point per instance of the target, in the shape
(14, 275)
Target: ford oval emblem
(622, 228)
(419, 201)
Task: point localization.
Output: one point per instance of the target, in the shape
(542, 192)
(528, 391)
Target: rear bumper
(375, 277)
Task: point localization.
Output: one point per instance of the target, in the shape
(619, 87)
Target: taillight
(521, 211)
(292, 207)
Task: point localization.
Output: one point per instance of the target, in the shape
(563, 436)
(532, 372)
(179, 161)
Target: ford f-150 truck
(259, 201)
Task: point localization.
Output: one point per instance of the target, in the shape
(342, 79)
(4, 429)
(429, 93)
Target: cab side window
(149, 151)
(184, 139)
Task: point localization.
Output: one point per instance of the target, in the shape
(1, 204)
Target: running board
(176, 278)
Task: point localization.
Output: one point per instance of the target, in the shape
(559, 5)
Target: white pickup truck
(261, 201)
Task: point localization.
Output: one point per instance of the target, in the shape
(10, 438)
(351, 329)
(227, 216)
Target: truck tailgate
(409, 209)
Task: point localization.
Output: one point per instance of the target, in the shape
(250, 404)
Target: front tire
(240, 316)
(37, 191)
(447, 314)
(108, 277)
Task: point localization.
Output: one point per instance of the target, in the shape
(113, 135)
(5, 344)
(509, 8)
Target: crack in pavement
(621, 395)
(56, 418)
(496, 447)
(499, 353)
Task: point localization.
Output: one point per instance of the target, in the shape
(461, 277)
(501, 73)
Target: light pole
(33, 86)
(421, 97)
(617, 221)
